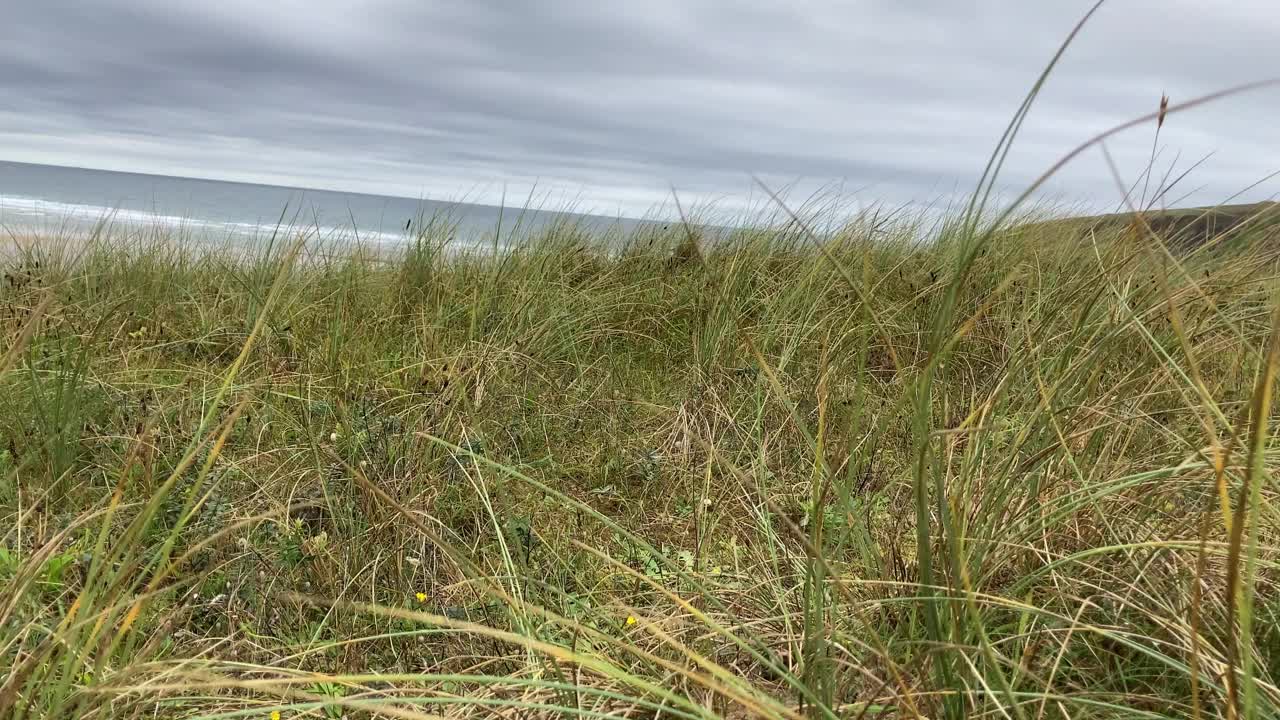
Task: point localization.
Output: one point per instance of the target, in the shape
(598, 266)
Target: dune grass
(1022, 473)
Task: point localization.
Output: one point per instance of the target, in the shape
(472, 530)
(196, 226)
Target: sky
(610, 105)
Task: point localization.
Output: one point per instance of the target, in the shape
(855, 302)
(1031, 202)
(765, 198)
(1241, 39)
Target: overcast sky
(614, 102)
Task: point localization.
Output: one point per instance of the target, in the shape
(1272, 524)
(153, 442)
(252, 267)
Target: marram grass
(642, 482)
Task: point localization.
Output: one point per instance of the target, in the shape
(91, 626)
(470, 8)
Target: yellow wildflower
(631, 619)
(275, 715)
(422, 597)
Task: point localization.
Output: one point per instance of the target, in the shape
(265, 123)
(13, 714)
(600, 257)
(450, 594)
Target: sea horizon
(61, 199)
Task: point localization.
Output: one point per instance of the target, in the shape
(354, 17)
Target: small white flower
(333, 437)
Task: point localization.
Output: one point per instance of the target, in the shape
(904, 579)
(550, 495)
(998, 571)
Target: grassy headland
(1022, 474)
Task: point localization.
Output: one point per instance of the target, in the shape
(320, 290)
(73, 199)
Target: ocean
(46, 199)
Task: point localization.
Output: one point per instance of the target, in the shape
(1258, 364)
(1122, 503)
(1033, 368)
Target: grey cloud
(619, 100)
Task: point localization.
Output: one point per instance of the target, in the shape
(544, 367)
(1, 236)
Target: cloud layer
(613, 103)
